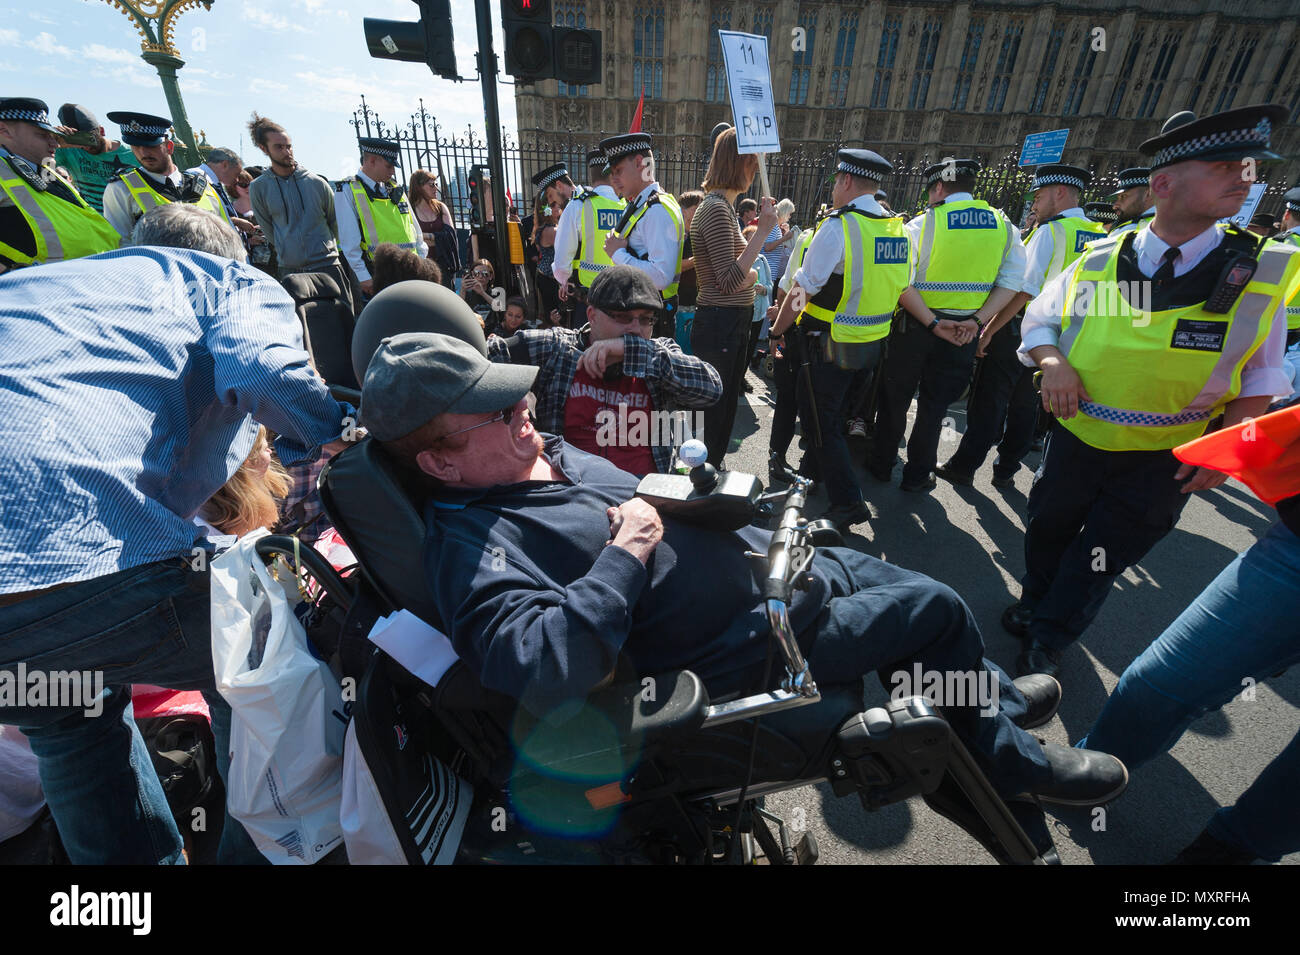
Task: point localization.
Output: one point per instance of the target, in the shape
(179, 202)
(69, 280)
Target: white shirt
(1010, 271)
(1042, 246)
(787, 279)
(345, 213)
(121, 210)
(825, 255)
(568, 234)
(1264, 372)
(656, 237)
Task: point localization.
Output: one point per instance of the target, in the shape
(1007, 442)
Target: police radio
(1234, 278)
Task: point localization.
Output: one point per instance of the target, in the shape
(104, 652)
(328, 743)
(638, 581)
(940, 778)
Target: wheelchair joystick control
(704, 476)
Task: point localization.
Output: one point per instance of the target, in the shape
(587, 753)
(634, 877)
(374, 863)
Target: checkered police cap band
(614, 150)
(1057, 179)
(1257, 135)
(875, 173)
(137, 128)
(29, 115)
(1293, 207)
(389, 154)
(1133, 181)
(553, 176)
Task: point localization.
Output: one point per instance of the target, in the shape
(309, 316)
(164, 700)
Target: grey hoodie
(297, 214)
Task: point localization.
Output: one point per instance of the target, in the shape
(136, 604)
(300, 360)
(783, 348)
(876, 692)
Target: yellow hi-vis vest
(859, 304)
(1291, 240)
(1141, 222)
(62, 229)
(383, 220)
(1070, 236)
(599, 218)
(1155, 379)
(797, 256)
(675, 211)
(959, 253)
(146, 196)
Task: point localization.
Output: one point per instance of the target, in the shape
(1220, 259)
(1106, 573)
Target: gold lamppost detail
(155, 21)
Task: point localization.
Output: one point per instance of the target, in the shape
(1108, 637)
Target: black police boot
(778, 469)
(1038, 658)
(1042, 695)
(1015, 619)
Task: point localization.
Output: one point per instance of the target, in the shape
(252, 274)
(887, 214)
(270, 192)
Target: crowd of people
(1111, 332)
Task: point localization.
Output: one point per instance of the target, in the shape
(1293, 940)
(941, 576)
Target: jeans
(883, 618)
(147, 624)
(1242, 625)
(1002, 409)
(1092, 514)
(720, 336)
(942, 371)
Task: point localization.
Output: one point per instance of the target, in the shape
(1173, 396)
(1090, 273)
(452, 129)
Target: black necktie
(1166, 271)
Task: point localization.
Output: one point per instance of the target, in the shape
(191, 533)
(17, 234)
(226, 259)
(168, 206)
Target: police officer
(1132, 200)
(157, 181)
(372, 209)
(42, 216)
(1102, 213)
(1003, 406)
(846, 287)
(650, 234)
(968, 261)
(1290, 235)
(1143, 341)
(589, 215)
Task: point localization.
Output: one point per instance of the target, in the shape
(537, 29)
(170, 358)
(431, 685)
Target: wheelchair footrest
(888, 754)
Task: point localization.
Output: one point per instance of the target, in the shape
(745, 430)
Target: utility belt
(819, 346)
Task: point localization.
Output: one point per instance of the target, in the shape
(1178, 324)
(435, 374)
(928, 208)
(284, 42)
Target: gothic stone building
(924, 79)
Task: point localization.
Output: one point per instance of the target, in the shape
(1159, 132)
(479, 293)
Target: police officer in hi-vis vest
(371, 209)
(1148, 339)
(157, 181)
(590, 214)
(650, 233)
(969, 261)
(42, 216)
(1290, 236)
(1003, 407)
(845, 291)
(1132, 200)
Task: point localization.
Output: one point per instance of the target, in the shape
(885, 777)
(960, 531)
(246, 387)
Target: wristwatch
(933, 325)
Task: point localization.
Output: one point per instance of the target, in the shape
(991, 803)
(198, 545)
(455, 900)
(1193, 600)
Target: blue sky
(303, 63)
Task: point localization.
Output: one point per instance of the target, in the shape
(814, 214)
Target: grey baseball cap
(416, 376)
(79, 118)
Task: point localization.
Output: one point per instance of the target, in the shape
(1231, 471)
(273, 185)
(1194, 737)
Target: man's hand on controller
(636, 527)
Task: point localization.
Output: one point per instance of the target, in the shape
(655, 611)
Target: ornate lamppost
(155, 21)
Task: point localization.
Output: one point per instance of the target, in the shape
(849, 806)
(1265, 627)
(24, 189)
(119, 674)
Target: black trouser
(720, 337)
(1092, 513)
(548, 291)
(942, 370)
(830, 460)
(783, 417)
(1002, 410)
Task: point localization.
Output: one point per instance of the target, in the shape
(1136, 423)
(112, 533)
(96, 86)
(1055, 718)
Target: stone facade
(921, 79)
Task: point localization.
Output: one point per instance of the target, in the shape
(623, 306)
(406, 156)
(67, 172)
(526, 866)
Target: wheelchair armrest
(669, 706)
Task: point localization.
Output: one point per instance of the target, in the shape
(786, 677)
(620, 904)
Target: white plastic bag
(287, 724)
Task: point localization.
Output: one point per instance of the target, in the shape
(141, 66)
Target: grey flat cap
(415, 377)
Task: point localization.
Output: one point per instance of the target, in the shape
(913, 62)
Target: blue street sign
(1042, 148)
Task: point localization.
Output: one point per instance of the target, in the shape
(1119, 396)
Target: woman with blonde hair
(251, 498)
(724, 269)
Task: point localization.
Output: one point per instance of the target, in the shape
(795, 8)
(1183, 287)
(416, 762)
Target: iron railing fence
(803, 175)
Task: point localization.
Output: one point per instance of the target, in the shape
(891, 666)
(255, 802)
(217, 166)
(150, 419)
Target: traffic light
(479, 196)
(429, 41)
(537, 50)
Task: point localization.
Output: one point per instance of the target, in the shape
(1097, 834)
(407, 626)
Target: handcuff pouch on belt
(822, 347)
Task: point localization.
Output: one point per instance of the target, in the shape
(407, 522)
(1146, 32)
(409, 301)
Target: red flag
(636, 119)
(1264, 454)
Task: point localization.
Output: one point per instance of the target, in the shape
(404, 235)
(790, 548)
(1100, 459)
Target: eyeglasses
(623, 318)
(504, 416)
(482, 273)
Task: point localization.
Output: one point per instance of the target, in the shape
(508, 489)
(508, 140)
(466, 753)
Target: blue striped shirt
(129, 385)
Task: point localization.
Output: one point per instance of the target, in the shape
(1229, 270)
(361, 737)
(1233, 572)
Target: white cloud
(41, 18)
(10, 38)
(255, 15)
(47, 45)
(260, 85)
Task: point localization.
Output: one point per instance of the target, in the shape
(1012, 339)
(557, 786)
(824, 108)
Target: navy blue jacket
(540, 607)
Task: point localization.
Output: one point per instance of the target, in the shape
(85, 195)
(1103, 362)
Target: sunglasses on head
(504, 415)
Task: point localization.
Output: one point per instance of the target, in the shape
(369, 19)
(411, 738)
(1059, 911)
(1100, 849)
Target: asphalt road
(972, 540)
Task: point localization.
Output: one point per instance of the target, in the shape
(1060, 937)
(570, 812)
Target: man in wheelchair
(545, 571)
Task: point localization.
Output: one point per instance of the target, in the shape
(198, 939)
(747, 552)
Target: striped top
(717, 243)
(129, 384)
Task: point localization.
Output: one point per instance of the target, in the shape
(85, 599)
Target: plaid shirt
(674, 379)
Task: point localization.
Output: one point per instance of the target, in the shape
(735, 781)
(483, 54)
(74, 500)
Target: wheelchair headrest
(413, 306)
(376, 506)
